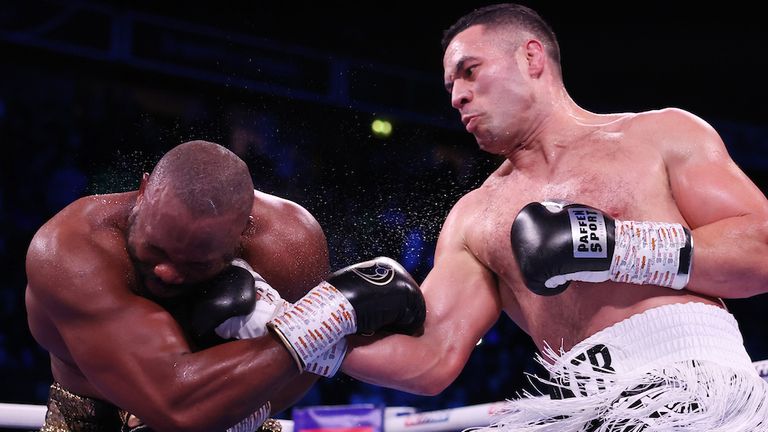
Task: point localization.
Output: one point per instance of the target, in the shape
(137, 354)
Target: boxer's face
(172, 250)
(484, 73)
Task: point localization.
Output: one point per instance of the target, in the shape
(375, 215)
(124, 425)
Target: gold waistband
(68, 412)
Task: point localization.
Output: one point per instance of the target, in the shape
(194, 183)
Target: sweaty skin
(107, 341)
(665, 165)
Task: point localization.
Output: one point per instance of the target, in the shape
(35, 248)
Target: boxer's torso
(607, 169)
(283, 243)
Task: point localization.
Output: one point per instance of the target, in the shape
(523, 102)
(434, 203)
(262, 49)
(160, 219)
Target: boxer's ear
(249, 226)
(142, 186)
(535, 56)
(143, 183)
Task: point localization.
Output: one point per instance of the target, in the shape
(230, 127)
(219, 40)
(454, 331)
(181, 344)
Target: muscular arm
(292, 392)
(297, 261)
(462, 304)
(726, 211)
(286, 246)
(133, 352)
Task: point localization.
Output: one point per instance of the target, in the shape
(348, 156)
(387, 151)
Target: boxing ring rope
(22, 416)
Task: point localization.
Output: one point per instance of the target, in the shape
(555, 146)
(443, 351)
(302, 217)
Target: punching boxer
(608, 238)
(123, 290)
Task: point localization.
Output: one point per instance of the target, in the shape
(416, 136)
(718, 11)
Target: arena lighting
(381, 128)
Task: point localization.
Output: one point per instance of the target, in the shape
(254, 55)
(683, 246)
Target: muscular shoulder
(462, 218)
(466, 206)
(277, 217)
(286, 245)
(89, 224)
(71, 253)
(676, 133)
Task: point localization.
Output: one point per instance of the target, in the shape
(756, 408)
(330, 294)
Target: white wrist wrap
(329, 361)
(253, 421)
(648, 253)
(315, 323)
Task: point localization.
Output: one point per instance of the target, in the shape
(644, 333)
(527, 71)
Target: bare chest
(628, 186)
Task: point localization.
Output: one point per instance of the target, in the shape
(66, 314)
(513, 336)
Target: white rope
(21, 416)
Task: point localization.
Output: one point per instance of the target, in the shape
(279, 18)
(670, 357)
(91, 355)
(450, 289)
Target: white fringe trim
(694, 396)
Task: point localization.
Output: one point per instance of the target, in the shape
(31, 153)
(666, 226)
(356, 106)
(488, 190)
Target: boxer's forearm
(730, 258)
(423, 365)
(292, 392)
(230, 383)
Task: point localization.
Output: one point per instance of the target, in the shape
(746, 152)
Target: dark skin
(88, 305)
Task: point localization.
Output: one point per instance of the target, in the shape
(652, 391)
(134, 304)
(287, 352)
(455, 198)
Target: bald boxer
(155, 308)
(608, 238)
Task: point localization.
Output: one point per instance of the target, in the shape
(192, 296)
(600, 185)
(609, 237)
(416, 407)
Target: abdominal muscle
(566, 319)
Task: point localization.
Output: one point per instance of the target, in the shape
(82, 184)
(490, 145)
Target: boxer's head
(188, 218)
(514, 21)
(502, 68)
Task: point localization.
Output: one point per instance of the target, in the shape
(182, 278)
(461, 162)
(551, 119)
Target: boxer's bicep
(462, 299)
(460, 309)
(708, 191)
(727, 212)
(114, 337)
(461, 294)
(462, 303)
(130, 350)
(707, 185)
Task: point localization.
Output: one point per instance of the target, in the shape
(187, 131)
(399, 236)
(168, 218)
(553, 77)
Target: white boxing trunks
(678, 367)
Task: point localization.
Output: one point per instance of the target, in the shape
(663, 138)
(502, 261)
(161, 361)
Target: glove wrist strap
(315, 323)
(329, 362)
(654, 253)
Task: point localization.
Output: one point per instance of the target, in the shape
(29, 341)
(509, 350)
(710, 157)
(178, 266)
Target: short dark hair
(207, 178)
(507, 14)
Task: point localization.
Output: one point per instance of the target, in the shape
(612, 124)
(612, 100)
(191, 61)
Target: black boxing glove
(268, 305)
(385, 294)
(555, 244)
(230, 294)
(362, 298)
(232, 305)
